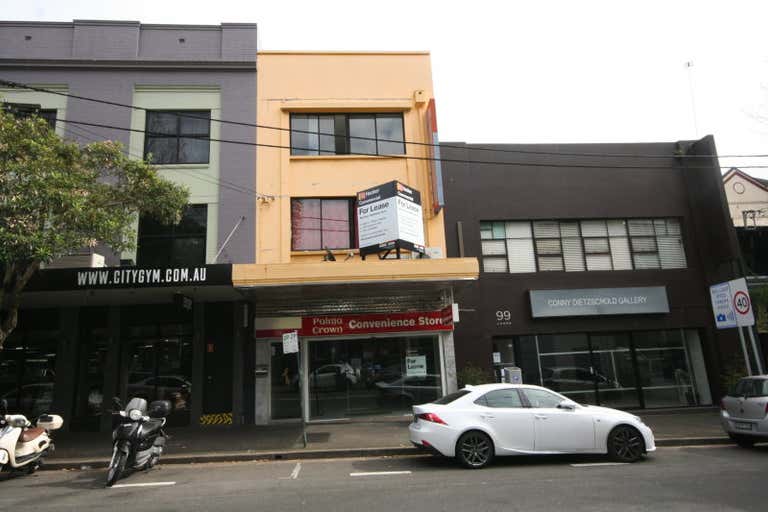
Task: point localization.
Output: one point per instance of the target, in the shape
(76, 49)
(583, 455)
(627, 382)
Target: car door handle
(487, 416)
(540, 417)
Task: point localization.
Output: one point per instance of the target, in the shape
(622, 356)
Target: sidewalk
(385, 436)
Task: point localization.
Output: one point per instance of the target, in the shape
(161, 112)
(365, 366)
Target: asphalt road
(691, 478)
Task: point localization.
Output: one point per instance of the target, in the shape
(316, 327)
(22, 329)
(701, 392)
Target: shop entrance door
(284, 383)
(614, 371)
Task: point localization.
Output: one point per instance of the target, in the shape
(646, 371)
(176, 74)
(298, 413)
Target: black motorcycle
(138, 439)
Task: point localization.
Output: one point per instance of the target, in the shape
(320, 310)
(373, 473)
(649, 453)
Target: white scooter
(22, 446)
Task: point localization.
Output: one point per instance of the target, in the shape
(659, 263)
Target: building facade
(163, 320)
(595, 265)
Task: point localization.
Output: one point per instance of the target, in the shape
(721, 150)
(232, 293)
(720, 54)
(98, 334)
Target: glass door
(567, 366)
(285, 397)
(613, 370)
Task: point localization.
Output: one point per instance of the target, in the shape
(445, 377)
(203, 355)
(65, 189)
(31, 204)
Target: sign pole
(744, 349)
(754, 351)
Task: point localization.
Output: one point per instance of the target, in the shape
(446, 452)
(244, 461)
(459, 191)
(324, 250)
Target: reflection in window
(178, 137)
(318, 224)
(183, 244)
(342, 134)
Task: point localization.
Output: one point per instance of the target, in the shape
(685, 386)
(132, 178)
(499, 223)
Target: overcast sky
(533, 71)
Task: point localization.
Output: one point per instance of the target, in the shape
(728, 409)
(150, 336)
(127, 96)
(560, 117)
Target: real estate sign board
(389, 216)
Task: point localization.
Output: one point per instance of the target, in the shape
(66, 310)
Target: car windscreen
(451, 397)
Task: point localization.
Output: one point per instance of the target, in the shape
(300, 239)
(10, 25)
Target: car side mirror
(568, 405)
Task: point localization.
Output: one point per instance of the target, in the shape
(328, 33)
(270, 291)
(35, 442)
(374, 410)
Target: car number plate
(742, 425)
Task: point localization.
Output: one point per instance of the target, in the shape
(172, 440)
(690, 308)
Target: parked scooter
(22, 446)
(138, 440)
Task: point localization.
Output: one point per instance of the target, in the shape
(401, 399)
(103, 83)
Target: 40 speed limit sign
(742, 305)
(731, 304)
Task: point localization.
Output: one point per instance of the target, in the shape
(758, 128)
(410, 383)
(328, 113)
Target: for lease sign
(389, 216)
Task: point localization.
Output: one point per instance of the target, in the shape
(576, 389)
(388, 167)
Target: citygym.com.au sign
(130, 277)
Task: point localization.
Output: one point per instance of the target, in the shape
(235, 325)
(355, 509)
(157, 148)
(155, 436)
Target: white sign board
(390, 215)
(731, 304)
(416, 366)
(290, 342)
(742, 304)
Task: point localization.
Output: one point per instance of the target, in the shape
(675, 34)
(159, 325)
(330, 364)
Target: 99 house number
(503, 317)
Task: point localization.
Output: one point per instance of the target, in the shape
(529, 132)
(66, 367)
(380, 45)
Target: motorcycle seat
(31, 434)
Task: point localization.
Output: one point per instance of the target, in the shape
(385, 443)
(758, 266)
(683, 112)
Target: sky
(528, 71)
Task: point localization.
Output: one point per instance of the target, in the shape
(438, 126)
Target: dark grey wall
(225, 57)
(657, 187)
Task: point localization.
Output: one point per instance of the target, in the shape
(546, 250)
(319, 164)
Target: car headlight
(3, 457)
(135, 414)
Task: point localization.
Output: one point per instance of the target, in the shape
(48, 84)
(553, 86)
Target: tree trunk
(16, 276)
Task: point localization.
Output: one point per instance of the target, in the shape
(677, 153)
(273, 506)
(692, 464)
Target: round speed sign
(741, 303)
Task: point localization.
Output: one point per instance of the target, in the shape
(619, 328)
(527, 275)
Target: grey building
(160, 90)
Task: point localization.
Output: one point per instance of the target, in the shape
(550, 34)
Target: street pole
(746, 352)
(755, 351)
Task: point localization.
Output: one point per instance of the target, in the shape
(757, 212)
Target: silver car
(744, 411)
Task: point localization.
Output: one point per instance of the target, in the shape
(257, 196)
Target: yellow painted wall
(304, 82)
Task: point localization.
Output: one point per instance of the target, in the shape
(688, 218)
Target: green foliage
(473, 375)
(57, 197)
(759, 296)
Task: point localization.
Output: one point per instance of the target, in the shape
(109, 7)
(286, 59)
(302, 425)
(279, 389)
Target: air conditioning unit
(78, 261)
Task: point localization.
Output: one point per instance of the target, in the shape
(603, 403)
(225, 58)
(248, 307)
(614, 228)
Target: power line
(403, 157)
(18, 85)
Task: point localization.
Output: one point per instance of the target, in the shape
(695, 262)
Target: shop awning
(379, 286)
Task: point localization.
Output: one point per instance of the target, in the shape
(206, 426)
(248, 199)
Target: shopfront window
(372, 376)
(28, 365)
(622, 369)
(92, 368)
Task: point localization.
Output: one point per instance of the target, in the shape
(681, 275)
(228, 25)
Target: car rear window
(451, 397)
(751, 387)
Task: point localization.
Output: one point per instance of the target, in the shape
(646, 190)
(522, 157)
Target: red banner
(350, 325)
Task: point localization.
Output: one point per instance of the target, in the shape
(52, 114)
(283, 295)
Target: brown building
(595, 266)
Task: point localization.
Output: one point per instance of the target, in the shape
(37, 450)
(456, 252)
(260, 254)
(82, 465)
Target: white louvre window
(573, 254)
(494, 264)
(620, 255)
(641, 227)
(673, 226)
(550, 263)
(617, 227)
(568, 229)
(643, 244)
(518, 229)
(548, 246)
(520, 255)
(671, 252)
(593, 228)
(599, 262)
(493, 248)
(596, 246)
(646, 261)
(486, 230)
(546, 229)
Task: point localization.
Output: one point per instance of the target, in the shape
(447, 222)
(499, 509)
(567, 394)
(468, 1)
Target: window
(501, 398)
(578, 245)
(178, 137)
(24, 110)
(344, 134)
(162, 245)
(318, 224)
(542, 399)
(451, 397)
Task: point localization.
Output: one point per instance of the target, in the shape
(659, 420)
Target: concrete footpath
(370, 437)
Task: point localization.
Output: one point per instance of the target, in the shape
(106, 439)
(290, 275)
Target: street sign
(290, 342)
(731, 304)
(742, 305)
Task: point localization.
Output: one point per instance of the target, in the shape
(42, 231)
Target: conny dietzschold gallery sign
(599, 301)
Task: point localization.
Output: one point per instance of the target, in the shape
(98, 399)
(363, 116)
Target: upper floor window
(24, 110)
(168, 245)
(345, 134)
(178, 137)
(318, 224)
(578, 245)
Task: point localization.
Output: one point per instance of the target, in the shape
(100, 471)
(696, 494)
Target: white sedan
(477, 423)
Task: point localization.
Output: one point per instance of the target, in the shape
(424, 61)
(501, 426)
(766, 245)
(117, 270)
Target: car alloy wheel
(475, 449)
(625, 444)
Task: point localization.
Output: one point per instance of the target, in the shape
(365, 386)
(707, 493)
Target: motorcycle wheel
(116, 469)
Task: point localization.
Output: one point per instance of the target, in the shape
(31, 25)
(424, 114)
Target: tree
(57, 197)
